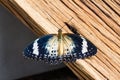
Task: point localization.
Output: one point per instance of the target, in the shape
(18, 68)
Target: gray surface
(14, 36)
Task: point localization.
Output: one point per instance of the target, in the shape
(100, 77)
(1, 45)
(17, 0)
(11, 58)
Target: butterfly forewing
(40, 48)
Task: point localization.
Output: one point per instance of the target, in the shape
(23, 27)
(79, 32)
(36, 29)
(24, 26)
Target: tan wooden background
(96, 20)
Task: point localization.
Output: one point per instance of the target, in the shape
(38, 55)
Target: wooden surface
(97, 20)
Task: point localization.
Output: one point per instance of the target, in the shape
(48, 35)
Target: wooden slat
(97, 20)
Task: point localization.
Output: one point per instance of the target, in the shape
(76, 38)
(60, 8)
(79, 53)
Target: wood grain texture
(97, 20)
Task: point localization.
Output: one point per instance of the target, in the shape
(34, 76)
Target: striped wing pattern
(46, 48)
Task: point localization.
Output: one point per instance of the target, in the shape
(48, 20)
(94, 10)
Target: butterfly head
(60, 31)
(59, 34)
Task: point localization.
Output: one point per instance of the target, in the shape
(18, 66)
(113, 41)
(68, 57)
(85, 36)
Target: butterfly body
(56, 48)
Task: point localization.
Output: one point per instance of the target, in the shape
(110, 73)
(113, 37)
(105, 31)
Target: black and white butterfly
(56, 48)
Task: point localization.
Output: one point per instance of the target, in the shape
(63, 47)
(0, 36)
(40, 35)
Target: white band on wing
(35, 47)
(84, 45)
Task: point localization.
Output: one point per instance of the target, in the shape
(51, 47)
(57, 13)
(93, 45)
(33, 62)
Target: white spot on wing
(84, 46)
(68, 45)
(52, 46)
(35, 47)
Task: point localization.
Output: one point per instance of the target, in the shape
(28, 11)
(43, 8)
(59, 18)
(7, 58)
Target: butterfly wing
(43, 48)
(46, 48)
(83, 47)
(78, 47)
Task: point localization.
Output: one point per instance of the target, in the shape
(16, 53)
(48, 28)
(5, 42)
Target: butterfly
(58, 48)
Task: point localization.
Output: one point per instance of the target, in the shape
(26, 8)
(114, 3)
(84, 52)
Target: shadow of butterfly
(56, 48)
